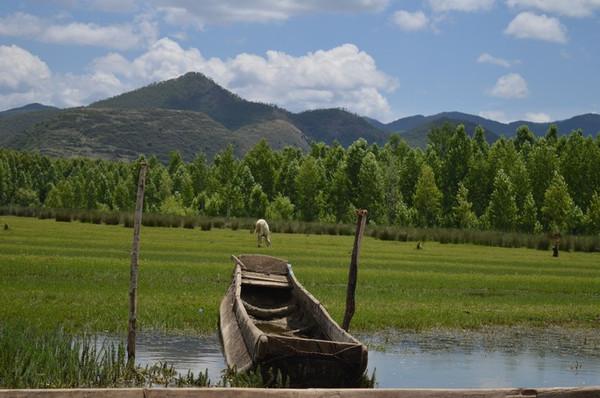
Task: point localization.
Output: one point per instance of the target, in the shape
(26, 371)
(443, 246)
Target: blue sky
(503, 59)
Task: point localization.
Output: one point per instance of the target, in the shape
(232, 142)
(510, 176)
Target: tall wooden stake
(135, 255)
(350, 306)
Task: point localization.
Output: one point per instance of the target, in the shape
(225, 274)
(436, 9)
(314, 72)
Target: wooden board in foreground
(581, 392)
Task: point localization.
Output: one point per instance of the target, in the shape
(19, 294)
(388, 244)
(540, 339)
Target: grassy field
(76, 276)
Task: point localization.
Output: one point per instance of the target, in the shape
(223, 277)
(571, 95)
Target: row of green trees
(527, 183)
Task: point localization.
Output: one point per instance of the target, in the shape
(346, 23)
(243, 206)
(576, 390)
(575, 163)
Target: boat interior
(273, 306)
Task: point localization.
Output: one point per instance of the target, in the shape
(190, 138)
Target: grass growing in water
(76, 276)
(55, 359)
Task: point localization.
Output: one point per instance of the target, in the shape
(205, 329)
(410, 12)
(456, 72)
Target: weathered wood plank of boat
(269, 319)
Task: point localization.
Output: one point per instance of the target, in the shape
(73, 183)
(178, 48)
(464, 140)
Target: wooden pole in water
(135, 255)
(350, 304)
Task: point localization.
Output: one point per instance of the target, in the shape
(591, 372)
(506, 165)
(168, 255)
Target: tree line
(527, 183)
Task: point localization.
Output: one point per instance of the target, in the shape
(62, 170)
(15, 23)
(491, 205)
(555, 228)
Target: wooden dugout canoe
(268, 319)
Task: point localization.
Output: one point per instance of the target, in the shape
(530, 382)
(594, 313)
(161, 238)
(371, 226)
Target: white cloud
(498, 116)
(410, 21)
(110, 6)
(20, 24)
(34, 82)
(120, 37)
(199, 13)
(343, 76)
(119, 6)
(570, 8)
(538, 117)
(461, 5)
(20, 69)
(528, 25)
(511, 85)
(486, 58)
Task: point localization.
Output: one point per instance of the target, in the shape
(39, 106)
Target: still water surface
(434, 359)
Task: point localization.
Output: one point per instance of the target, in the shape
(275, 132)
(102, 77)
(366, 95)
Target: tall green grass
(580, 243)
(76, 276)
(30, 358)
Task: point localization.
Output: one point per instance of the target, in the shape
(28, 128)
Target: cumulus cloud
(20, 69)
(511, 85)
(200, 13)
(342, 76)
(538, 117)
(120, 36)
(498, 116)
(33, 81)
(20, 24)
(410, 21)
(571, 8)
(486, 58)
(460, 5)
(528, 25)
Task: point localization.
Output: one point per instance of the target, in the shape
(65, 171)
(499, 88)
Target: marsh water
(437, 359)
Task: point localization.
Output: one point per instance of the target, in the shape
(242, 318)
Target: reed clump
(189, 222)
(63, 216)
(30, 358)
(111, 219)
(576, 243)
(205, 225)
(579, 243)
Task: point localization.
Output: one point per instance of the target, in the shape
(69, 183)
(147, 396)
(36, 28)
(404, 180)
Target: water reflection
(481, 370)
(425, 360)
(195, 353)
(491, 358)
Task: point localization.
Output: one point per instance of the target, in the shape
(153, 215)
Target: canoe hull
(300, 340)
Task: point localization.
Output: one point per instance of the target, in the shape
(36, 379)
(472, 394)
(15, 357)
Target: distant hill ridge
(192, 113)
(196, 92)
(34, 107)
(589, 123)
(126, 133)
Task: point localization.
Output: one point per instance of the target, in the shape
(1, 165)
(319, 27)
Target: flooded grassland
(444, 316)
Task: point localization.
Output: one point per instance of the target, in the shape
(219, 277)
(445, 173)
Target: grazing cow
(261, 229)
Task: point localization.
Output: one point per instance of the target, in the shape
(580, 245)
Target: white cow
(261, 229)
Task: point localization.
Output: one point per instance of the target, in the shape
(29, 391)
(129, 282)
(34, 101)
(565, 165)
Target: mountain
(196, 92)
(278, 133)
(15, 122)
(375, 123)
(589, 123)
(336, 124)
(411, 123)
(412, 127)
(124, 134)
(406, 124)
(34, 107)
(417, 136)
(192, 113)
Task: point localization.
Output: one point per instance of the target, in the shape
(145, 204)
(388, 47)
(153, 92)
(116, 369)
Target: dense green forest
(525, 184)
